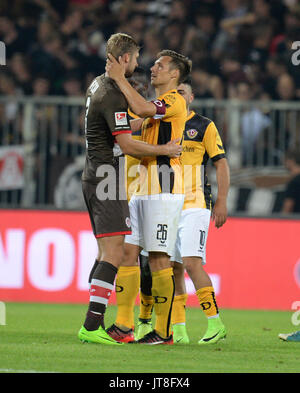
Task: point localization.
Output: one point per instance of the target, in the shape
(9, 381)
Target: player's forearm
(137, 103)
(141, 149)
(136, 124)
(223, 179)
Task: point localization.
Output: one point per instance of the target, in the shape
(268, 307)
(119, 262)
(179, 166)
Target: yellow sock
(146, 306)
(207, 301)
(163, 294)
(178, 310)
(127, 289)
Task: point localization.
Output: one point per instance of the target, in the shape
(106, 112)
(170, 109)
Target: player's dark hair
(180, 62)
(189, 83)
(121, 43)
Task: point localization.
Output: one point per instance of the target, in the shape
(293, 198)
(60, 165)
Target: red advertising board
(46, 256)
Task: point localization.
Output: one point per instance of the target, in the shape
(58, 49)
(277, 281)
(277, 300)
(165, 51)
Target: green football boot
(98, 336)
(180, 335)
(215, 332)
(144, 327)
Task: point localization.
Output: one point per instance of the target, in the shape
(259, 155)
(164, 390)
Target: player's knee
(130, 256)
(111, 249)
(192, 265)
(178, 268)
(159, 261)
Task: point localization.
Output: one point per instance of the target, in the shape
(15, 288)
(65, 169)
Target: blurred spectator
(41, 86)
(20, 67)
(275, 67)
(291, 202)
(234, 39)
(232, 71)
(152, 45)
(178, 11)
(173, 35)
(45, 58)
(234, 12)
(71, 26)
(240, 50)
(11, 126)
(11, 36)
(72, 86)
(286, 88)
(253, 124)
(201, 79)
(203, 29)
(156, 11)
(135, 26)
(262, 35)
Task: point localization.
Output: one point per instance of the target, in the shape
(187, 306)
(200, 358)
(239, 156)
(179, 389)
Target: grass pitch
(43, 338)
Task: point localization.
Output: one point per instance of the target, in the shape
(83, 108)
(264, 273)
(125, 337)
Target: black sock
(93, 271)
(146, 276)
(104, 272)
(93, 321)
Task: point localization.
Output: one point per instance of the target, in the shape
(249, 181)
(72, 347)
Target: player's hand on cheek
(115, 68)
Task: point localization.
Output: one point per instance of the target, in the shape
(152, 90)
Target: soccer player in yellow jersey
(201, 142)
(155, 208)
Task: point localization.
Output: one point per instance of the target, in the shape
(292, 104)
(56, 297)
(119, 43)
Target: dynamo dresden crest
(192, 133)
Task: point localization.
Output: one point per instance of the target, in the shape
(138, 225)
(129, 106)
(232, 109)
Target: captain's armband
(160, 109)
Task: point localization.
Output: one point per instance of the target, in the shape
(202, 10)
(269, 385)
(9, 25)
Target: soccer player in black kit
(108, 137)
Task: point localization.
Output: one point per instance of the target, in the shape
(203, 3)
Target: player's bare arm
(116, 71)
(136, 124)
(219, 213)
(136, 148)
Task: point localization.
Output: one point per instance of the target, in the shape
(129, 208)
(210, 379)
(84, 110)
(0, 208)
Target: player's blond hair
(121, 43)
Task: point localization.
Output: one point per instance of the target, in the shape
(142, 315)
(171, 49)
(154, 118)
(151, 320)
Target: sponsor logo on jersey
(121, 118)
(187, 149)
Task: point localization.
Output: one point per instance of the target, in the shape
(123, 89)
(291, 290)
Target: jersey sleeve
(168, 106)
(132, 115)
(116, 114)
(213, 143)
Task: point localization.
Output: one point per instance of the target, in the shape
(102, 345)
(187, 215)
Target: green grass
(43, 337)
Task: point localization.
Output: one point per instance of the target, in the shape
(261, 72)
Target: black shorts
(109, 217)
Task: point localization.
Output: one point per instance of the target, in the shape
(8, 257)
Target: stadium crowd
(238, 47)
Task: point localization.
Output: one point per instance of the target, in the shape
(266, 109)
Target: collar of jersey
(192, 114)
(168, 92)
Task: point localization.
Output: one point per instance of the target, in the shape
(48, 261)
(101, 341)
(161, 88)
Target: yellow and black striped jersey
(201, 142)
(160, 130)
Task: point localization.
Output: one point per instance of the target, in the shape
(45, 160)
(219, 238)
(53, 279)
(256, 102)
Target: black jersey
(106, 116)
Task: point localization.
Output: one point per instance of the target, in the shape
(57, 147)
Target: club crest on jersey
(121, 118)
(128, 222)
(192, 133)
